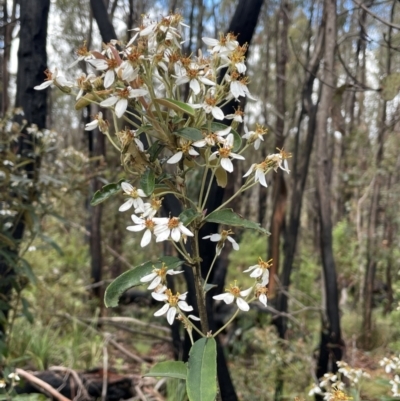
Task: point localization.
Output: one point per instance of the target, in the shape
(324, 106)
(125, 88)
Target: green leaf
(25, 310)
(131, 278)
(176, 106)
(188, 215)
(208, 287)
(237, 139)
(148, 181)
(52, 243)
(154, 150)
(230, 218)
(201, 383)
(390, 86)
(189, 133)
(175, 369)
(104, 193)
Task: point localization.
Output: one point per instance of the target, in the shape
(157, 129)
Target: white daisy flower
(235, 293)
(150, 209)
(54, 79)
(158, 277)
(279, 160)
(225, 153)
(221, 238)
(260, 270)
(237, 116)
(174, 303)
(97, 122)
(185, 148)
(255, 137)
(261, 293)
(135, 197)
(213, 138)
(142, 224)
(314, 390)
(192, 75)
(238, 87)
(166, 227)
(225, 44)
(210, 106)
(260, 171)
(120, 99)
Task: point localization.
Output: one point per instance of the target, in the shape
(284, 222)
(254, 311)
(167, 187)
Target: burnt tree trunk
(32, 62)
(330, 350)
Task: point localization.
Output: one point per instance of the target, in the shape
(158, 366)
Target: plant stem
(227, 323)
(209, 271)
(200, 295)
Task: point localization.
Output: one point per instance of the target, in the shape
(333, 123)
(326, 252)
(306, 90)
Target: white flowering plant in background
(168, 122)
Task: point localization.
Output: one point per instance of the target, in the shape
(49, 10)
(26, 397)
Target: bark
(279, 195)
(373, 221)
(100, 14)
(331, 343)
(299, 173)
(32, 62)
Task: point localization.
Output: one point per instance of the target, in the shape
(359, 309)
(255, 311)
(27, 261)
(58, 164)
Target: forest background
(326, 76)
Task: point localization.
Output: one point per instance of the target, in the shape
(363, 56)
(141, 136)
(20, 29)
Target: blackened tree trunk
(330, 350)
(32, 62)
(97, 147)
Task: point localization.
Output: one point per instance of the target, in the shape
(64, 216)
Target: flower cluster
(392, 364)
(167, 109)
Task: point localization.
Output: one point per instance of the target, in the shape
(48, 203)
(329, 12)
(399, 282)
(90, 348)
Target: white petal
(217, 113)
(206, 81)
(121, 107)
(215, 237)
(146, 238)
(265, 278)
(171, 315)
(244, 293)
(200, 144)
(126, 187)
(242, 304)
(110, 101)
(235, 89)
(235, 245)
(159, 296)
(261, 179)
(154, 284)
(257, 272)
(210, 41)
(161, 311)
(163, 236)
(173, 273)
(192, 152)
(193, 317)
(138, 92)
(184, 306)
(127, 205)
(250, 170)
(175, 158)
(136, 229)
(44, 85)
(228, 298)
(227, 164)
(137, 220)
(176, 234)
(224, 132)
(109, 78)
(195, 86)
(263, 299)
(185, 230)
(99, 64)
(92, 125)
(236, 156)
(250, 269)
(148, 277)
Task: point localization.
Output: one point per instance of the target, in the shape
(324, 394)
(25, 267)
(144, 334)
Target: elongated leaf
(154, 150)
(189, 133)
(175, 369)
(187, 216)
(176, 106)
(104, 193)
(221, 176)
(230, 218)
(85, 101)
(237, 139)
(131, 278)
(201, 383)
(148, 181)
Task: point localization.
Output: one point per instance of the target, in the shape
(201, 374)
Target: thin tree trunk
(279, 186)
(373, 237)
(32, 62)
(331, 343)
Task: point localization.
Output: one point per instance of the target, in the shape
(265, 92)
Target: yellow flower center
(172, 299)
(173, 223)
